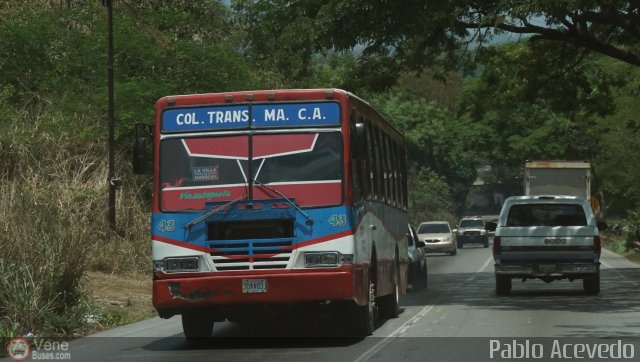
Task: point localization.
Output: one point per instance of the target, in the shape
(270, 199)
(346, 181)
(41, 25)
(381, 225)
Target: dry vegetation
(54, 228)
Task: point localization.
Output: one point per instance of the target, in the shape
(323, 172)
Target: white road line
(386, 340)
(423, 312)
(486, 263)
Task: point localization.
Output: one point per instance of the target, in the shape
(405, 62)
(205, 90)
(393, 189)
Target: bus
(273, 203)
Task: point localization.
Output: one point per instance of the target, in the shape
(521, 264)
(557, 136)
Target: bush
(632, 232)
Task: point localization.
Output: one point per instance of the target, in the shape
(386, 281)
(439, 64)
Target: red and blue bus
(266, 201)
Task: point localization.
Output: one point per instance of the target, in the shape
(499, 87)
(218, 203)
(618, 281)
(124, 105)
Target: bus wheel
(390, 304)
(364, 317)
(197, 326)
(591, 284)
(503, 284)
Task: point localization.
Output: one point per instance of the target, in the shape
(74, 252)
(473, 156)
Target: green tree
(429, 196)
(55, 58)
(535, 110)
(419, 33)
(619, 148)
(436, 140)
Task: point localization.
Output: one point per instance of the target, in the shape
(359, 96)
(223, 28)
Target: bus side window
(377, 165)
(387, 156)
(385, 166)
(371, 162)
(381, 165)
(395, 164)
(363, 163)
(403, 175)
(356, 160)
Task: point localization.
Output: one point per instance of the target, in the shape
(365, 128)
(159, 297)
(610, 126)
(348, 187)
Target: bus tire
(196, 326)
(503, 284)
(591, 284)
(363, 320)
(390, 304)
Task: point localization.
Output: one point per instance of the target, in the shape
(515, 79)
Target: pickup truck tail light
(496, 245)
(597, 244)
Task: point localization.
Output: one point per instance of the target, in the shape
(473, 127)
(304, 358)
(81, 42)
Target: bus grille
(251, 255)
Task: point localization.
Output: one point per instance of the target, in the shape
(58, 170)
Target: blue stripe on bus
(327, 221)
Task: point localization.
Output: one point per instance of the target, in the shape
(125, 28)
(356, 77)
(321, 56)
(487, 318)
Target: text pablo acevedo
(558, 349)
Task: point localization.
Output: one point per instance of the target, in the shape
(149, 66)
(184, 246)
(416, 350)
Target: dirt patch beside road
(118, 300)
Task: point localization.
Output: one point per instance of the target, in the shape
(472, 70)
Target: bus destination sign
(227, 117)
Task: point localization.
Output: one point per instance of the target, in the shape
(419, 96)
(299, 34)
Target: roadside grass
(53, 228)
(618, 245)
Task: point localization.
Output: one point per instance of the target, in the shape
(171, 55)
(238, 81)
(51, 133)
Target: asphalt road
(457, 318)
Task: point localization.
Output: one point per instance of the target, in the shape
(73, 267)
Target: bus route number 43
(338, 220)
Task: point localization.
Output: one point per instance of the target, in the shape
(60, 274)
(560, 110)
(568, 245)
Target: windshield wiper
(309, 220)
(213, 211)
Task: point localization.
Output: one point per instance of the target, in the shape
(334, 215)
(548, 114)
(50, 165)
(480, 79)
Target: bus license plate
(254, 285)
(547, 268)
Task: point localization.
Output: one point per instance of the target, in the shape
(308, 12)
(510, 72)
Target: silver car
(437, 237)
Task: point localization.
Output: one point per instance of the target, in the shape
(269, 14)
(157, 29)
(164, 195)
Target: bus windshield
(305, 167)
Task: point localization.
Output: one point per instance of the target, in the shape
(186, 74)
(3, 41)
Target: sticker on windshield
(205, 173)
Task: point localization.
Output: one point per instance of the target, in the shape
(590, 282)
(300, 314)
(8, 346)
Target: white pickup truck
(549, 238)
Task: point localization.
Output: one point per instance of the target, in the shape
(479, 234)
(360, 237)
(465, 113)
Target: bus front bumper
(283, 286)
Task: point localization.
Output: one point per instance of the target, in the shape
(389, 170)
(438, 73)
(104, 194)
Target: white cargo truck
(571, 178)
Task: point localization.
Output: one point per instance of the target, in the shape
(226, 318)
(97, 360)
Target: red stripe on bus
(305, 194)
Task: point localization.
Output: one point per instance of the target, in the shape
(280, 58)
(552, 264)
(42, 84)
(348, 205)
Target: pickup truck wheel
(591, 284)
(503, 285)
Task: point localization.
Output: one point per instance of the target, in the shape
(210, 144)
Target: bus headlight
(322, 259)
(174, 265)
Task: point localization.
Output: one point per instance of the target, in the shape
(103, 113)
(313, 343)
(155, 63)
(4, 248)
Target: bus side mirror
(359, 143)
(140, 156)
(142, 159)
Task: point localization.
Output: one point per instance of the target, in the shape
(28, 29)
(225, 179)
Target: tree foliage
(527, 100)
(436, 140)
(56, 57)
(619, 150)
(535, 111)
(419, 33)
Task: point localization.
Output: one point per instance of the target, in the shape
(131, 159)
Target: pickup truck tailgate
(547, 243)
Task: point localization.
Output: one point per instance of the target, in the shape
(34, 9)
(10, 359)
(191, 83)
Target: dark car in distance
(471, 229)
